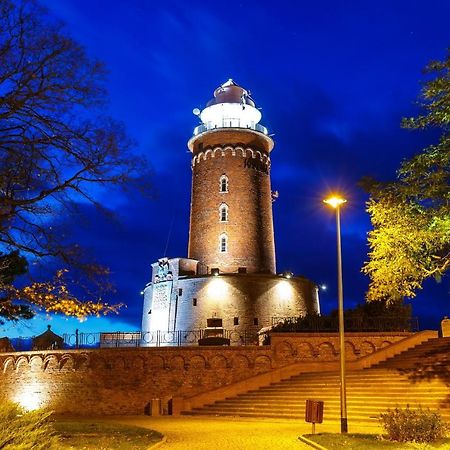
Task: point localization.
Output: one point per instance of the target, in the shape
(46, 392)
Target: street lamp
(336, 203)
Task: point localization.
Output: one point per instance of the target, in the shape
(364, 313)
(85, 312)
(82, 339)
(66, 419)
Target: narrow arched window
(223, 183)
(223, 243)
(223, 213)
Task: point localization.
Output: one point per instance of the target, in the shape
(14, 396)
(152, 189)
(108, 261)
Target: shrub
(372, 316)
(413, 425)
(24, 430)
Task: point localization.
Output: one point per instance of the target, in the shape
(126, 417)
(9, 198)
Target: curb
(158, 444)
(310, 443)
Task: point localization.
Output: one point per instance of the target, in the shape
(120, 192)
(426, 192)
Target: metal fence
(313, 324)
(143, 339)
(192, 337)
(355, 324)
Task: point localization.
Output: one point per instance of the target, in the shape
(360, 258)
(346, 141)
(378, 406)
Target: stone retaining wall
(124, 380)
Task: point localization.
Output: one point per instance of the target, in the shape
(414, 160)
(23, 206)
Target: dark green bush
(413, 425)
(373, 316)
(25, 430)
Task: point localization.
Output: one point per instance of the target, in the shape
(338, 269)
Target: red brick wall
(123, 381)
(243, 157)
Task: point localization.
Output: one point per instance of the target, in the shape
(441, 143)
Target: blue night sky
(333, 79)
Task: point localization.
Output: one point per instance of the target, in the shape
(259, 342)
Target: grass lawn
(104, 436)
(333, 441)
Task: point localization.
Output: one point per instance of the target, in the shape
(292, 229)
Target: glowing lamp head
(232, 105)
(215, 272)
(335, 201)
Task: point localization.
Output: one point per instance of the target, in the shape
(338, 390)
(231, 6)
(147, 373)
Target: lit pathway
(233, 433)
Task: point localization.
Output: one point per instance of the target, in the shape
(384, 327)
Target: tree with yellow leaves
(52, 296)
(410, 240)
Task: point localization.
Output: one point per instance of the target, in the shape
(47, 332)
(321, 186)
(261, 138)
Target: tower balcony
(230, 123)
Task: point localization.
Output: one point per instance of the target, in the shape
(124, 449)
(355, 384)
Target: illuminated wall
(123, 381)
(250, 300)
(244, 302)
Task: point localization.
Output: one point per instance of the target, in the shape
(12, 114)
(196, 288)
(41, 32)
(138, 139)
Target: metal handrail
(230, 123)
(243, 337)
(122, 339)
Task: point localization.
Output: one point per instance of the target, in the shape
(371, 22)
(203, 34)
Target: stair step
(384, 390)
(369, 419)
(416, 377)
(328, 418)
(301, 410)
(335, 401)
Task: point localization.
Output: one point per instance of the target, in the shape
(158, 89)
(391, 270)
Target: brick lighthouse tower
(231, 225)
(228, 284)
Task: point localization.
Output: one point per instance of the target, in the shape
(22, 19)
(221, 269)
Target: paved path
(233, 433)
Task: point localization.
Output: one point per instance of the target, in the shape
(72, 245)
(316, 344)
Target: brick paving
(233, 433)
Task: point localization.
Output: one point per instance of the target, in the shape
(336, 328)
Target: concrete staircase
(432, 356)
(419, 376)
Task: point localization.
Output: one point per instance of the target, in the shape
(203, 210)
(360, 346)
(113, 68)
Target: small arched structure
(48, 341)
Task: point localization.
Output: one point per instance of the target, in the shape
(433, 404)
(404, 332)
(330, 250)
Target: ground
(233, 433)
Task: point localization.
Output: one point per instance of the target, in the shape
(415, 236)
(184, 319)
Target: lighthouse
(231, 224)
(228, 286)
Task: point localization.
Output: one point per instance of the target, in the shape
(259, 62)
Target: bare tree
(56, 146)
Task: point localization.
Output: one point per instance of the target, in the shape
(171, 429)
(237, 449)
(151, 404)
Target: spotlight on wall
(30, 397)
(284, 291)
(215, 271)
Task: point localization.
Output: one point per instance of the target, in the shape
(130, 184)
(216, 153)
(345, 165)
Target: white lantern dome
(231, 107)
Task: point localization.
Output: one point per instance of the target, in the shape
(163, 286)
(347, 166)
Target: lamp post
(336, 203)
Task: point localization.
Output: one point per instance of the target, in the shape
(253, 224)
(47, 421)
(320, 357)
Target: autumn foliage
(410, 240)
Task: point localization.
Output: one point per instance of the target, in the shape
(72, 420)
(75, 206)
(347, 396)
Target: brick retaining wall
(124, 380)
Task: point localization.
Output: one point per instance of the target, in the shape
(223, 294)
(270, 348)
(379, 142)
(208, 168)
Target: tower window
(223, 213)
(180, 292)
(223, 243)
(255, 321)
(194, 302)
(236, 321)
(223, 183)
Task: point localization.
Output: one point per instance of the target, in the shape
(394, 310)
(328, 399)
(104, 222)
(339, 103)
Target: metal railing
(122, 339)
(192, 337)
(307, 324)
(230, 123)
(355, 324)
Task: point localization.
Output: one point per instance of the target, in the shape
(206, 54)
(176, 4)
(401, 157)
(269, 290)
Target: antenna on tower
(196, 112)
(169, 233)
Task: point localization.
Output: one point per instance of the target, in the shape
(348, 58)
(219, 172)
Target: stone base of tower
(186, 300)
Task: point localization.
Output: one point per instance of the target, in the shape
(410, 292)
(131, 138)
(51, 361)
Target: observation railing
(230, 123)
